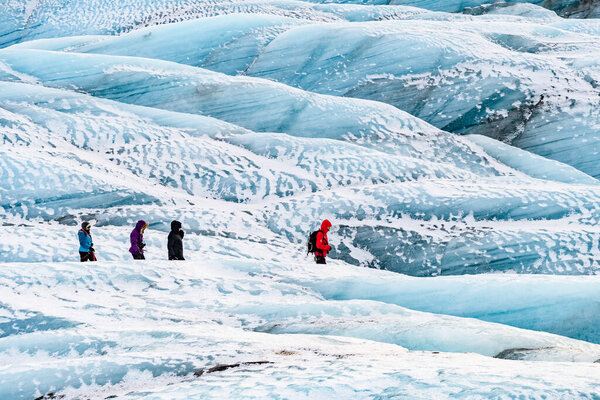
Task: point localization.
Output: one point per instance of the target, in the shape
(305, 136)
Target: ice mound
(517, 81)
(370, 168)
(23, 21)
(459, 142)
(158, 331)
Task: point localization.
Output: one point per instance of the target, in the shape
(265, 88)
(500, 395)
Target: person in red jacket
(322, 243)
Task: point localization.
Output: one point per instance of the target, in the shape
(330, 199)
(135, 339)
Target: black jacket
(175, 242)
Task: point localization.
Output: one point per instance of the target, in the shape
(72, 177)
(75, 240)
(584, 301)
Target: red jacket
(322, 242)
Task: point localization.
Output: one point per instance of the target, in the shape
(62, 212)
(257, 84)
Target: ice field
(453, 144)
(148, 330)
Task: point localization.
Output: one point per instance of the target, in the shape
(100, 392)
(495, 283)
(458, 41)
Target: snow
(529, 76)
(146, 328)
(298, 156)
(453, 145)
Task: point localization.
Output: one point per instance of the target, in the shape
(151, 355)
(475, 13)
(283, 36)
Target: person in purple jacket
(137, 240)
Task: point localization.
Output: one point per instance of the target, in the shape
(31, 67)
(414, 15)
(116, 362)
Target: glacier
(509, 94)
(387, 200)
(158, 333)
(453, 145)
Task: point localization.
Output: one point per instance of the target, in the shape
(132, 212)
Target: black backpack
(312, 242)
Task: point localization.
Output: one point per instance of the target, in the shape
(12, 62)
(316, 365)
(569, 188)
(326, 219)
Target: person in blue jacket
(86, 246)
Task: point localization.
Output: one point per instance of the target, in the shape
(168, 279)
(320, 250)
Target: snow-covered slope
(32, 19)
(251, 122)
(515, 81)
(213, 328)
(379, 172)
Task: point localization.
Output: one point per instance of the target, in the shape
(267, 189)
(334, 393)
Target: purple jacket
(137, 238)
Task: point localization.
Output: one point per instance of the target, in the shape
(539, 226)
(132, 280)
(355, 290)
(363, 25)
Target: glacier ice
(23, 21)
(575, 8)
(529, 72)
(32, 187)
(531, 164)
(506, 95)
(97, 355)
(517, 98)
(251, 121)
(413, 330)
(562, 305)
(401, 154)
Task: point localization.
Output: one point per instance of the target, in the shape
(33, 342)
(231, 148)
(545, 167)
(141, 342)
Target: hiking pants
(87, 256)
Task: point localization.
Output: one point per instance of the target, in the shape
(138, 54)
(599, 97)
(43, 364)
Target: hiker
(137, 240)
(86, 246)
(175, 241)
(319, 244)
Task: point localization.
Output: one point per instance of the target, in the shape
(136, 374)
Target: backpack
(312, 242)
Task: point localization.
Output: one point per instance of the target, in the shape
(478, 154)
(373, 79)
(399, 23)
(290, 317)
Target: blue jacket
(85, 241)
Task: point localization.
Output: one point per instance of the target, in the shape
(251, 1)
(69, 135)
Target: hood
(175, 226)
(85, 225)
(325, 225)
(140, 224)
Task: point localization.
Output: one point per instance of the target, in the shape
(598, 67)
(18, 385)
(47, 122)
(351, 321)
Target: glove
(142, 245)
(91, 250)
(330, 248)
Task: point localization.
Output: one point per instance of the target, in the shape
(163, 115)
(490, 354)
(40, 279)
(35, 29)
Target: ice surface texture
(512, 81)
(250, 122)
(187, 133)
(22, 21)
(162, 331)
(384, 213)
(516, 78)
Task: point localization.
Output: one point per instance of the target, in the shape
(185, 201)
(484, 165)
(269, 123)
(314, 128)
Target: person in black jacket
(175, 242)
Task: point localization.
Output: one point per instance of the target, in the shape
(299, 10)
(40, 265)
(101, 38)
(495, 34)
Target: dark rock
(517, 353)
(50, 396)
